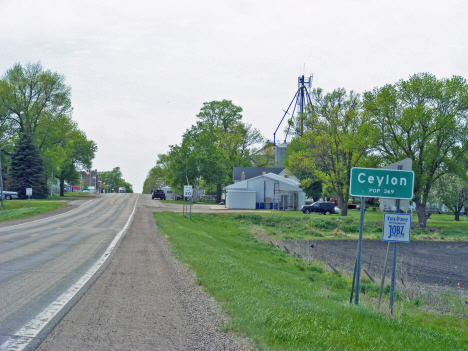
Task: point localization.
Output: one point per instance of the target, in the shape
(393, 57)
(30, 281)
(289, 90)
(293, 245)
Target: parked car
(158, 194)
(350, 205)
(8, 195)
(321, 207)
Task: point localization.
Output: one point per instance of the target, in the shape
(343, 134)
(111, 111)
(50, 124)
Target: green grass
(298, 226)
(17, 209)
(282, 303)
(70, 196)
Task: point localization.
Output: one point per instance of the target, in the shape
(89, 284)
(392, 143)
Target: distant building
(266, 191)
(242, 173)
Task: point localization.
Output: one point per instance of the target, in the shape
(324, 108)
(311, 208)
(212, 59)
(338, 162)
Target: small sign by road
(188, 191)
(383, 183)
(29, 194)
(396, 227)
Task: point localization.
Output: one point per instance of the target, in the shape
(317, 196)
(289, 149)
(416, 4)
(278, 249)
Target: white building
(267, 191)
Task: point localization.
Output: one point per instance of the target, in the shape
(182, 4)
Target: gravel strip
(144, 300)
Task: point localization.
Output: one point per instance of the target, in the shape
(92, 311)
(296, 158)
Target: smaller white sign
(28, 191)
(188, 190)
(396, 227)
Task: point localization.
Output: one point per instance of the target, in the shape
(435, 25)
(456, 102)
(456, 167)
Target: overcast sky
(141, 70)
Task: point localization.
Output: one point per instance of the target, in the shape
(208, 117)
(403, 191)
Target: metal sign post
(382, 183)
(357, 267)
(188, 189)
(396, 228)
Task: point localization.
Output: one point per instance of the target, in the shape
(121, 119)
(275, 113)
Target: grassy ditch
(17, 209)
(283, 303)
(297, 226)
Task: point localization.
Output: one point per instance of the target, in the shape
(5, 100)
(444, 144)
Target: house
(266, 191)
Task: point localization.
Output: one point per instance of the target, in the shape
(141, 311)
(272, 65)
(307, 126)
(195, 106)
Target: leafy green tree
(231, 142)
(452, 191)
(37, 101)
(76, 150)
(51, 141)
(303, 168)
(180, 166)
(155, 179)
(211, 148)
(27, 170)
(33, 98)
(113, 179)
(338, 137)
(425, 119)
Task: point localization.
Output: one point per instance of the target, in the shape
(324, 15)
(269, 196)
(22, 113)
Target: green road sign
(384, 183)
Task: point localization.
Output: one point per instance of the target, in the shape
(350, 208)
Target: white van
(121, 189)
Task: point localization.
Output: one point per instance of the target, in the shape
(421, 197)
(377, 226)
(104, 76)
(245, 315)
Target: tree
(338, 137)
(76, 150)
(424, 119)
(221, 121)
(37, 102)
(27, 170)
(211, 148)
(303, 168)
(114, 180)
(452, 191)
(155, 179)
(180, 165)
(33, 98)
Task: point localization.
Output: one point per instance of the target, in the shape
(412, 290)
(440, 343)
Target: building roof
(272, 176)
(252, 172)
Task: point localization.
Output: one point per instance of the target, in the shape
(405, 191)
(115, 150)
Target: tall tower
(300, 100)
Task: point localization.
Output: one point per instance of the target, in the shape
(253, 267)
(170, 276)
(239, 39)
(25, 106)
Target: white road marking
(20, 340)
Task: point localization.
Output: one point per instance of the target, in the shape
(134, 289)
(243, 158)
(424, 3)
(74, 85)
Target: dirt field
(432, 263)
(442, 264)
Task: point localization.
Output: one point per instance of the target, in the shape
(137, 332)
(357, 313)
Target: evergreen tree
(27, 169)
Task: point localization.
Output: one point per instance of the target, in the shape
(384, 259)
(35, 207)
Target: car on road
(321, 207)
(8, 195)
(158, 194)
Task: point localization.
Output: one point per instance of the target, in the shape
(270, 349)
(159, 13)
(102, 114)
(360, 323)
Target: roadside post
(397, 210)
(382, 183)
(29, 193)
(188, 194)
(396, 228)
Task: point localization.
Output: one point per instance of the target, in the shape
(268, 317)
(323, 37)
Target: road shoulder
(144, 300)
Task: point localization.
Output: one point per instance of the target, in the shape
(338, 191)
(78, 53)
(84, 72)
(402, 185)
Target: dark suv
(158, 194)
(321, 207)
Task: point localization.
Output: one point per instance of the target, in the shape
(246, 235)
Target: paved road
(40, 261)
(143, 300)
